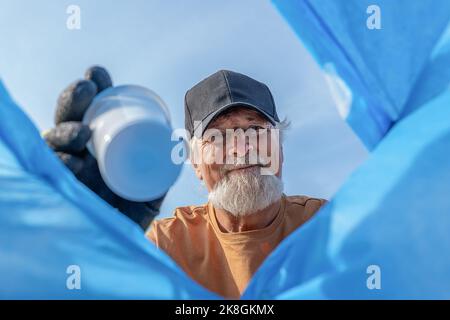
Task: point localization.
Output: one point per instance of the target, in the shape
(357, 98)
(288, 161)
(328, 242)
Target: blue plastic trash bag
(373, 72)
(385, 234)
(53, 229)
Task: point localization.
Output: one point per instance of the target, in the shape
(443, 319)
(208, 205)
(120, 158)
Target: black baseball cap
(220, 92)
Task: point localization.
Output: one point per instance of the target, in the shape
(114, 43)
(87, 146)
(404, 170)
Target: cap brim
(209, 118)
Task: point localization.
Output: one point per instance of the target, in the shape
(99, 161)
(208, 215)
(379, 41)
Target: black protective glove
(68, 139)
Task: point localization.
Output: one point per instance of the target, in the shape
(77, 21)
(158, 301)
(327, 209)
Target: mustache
(243, 162)
(231, 167)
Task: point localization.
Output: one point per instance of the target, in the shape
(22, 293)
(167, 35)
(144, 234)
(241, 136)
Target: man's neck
(255, 221)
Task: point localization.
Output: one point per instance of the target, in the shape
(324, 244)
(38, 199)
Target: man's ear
(197, 171)
(194, 158)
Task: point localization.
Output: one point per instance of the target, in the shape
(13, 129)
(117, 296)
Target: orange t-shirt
(225, 262)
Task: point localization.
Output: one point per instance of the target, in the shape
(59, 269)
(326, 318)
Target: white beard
(245, 192)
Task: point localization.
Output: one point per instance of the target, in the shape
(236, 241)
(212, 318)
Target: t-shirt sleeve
(161, 233)
(312, 205)
(152, 233)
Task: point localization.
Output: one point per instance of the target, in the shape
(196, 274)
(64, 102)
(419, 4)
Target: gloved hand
(68, 139)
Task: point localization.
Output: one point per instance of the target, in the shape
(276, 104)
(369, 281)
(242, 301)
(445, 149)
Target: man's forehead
(238, 116)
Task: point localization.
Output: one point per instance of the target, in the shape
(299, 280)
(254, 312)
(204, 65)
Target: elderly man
(222, 243)
(236, 152)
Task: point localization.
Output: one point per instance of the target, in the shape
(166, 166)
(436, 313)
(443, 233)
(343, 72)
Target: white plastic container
(131, 141)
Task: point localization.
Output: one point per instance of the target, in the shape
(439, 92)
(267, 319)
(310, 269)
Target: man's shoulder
(182, 218)
(186, 213)
(309, 205)
(305, 200)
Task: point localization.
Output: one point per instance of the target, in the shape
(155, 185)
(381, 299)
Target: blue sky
(169, 46)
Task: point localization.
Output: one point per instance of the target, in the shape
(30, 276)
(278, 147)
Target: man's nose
(240, 147)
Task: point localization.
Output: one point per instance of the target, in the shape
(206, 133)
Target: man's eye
(256, 127)
(213, 139)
